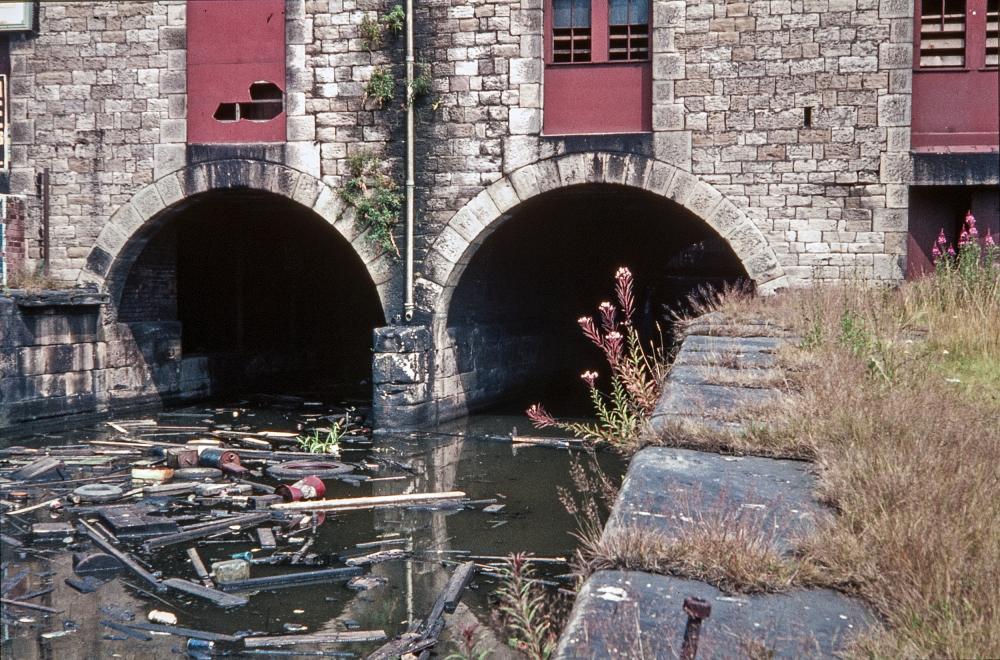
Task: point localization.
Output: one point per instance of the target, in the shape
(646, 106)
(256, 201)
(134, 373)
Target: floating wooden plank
(266, 537)
(198, 591)
(104, 544)
(43, 469)
(29, 606)
(128, 632)
(346, 637)
(367, 502)
(199, 568)
(182, 632)
(305, 577)
(377, 557)
(193, 532)
(459, 580)
(425, 636)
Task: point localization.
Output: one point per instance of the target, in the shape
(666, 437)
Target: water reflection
(464, 456)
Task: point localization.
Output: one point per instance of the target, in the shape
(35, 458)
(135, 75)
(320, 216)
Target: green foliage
(371, 33)
(323, 441)
(395, 20)
(373, 29)
(373, 195)
(522, 610)
(423, 83)
(636, 374)
(381, 87)
(467, 647)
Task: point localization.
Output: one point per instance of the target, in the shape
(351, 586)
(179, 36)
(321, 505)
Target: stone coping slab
(703, 343)
(710, 400)
(630, 614)
(667, 489)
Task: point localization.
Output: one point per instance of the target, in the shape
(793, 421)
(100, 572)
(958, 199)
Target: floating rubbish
(97, 493)
(232, 570)
(160, 616)
(96, 564)
(308, 488)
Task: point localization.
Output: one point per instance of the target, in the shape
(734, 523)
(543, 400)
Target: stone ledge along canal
(62, 601)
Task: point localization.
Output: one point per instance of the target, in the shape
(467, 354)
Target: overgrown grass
(899, 402)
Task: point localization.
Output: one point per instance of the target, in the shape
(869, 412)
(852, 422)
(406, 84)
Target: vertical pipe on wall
(43, 189)
(410, 179)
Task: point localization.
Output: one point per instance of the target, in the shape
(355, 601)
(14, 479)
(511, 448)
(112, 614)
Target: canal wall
(720, 370)
(61, 356)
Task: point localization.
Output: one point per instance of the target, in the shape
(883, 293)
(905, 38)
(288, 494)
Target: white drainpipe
(410, 179)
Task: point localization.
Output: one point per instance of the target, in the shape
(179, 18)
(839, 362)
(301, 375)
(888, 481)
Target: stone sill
(36, 301)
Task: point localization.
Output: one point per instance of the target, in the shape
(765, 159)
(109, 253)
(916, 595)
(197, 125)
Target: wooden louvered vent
(628, 30)
(942, 33)
(993, 33)
(571, 36)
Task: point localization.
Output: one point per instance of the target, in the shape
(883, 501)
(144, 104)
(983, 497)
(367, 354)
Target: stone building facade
(781, 126)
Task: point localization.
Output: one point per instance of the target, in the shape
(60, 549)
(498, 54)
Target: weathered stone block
(400, 368)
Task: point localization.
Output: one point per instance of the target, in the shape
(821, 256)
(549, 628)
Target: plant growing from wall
(373, 28)
(381, 87)
(395, 20)
(374, 196)
(423, 84)
(636, 374)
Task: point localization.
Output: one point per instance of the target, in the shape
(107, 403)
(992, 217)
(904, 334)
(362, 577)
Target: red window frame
(600, 96)
(980, 35)
(600, 35)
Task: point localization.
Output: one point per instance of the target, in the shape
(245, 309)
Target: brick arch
(133, 224)
(452, 250)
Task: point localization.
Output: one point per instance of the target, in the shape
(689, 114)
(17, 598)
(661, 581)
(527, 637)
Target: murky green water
(465, 456)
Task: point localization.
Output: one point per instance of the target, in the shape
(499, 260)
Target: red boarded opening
(236, 71)
(598, 71)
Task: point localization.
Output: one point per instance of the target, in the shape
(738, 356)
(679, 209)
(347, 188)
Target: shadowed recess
(260, 285)
(512, 319)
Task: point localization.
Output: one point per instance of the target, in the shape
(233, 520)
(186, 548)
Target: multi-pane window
(992, 33)
(571, 38)
(596, 31)
(942, 33)
(958, 34)
(628, 29)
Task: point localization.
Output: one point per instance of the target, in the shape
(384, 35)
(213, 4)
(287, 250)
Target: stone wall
(99, 97)
(14, 234)
(786, 119)
(829, 191)
(60, 356)
(92, 95)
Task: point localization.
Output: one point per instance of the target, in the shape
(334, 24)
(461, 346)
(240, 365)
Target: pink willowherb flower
(935, 253)
(941, 238)
(951, 251)
(624, 292)
(613, 344)
(963, 238)
(589, 377)
(540, 417)
(590, 330)
(988, 241)
(608, 313)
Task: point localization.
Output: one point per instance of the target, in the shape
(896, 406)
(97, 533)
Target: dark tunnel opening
(512, 320)
(261, 291)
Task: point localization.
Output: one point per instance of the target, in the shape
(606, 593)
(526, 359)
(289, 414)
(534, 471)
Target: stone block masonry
(784, 124)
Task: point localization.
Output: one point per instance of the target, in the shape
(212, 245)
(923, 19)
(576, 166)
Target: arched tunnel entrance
(511, 322)
(260, 293)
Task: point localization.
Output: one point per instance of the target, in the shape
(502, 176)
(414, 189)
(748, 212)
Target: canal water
(474, 455)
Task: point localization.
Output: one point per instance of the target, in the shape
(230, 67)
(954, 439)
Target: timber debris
(167, 503)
